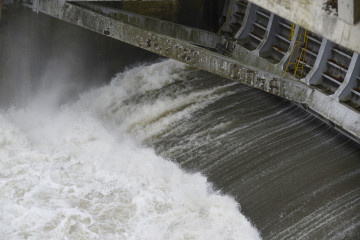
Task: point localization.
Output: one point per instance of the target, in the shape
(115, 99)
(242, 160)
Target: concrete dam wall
(91, 125)
(251, 45)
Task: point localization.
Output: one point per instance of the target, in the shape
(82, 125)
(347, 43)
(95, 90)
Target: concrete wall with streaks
(311, 15)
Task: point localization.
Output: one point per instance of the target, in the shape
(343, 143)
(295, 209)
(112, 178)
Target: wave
(82, 170)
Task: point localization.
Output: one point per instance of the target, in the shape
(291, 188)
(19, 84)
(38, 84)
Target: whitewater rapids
(80, 170)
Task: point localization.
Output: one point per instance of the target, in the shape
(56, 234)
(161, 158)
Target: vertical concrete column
(350, 81)
(248, 13)
(320, 66)
(250, 17)
(349, 10)
(0, 8)
(291, 55)
(271, 30)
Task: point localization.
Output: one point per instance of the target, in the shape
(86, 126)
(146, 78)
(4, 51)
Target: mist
(102, 140)
(44, 58)
(76, 108)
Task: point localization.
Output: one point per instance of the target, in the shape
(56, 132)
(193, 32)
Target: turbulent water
(82, 172)
(128, 161)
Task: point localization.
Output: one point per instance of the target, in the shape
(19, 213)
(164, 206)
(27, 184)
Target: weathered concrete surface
(349, 10)
(238, 70)
(337, 113)
(193, 35)
(310, 15)
(253, 59)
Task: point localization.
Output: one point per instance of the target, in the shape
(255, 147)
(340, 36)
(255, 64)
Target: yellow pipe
(293, 50)
(306, 42)
(297, 54)
(292, 31)
(300, 54)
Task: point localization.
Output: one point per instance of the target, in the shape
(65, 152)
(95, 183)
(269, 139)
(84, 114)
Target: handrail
(300, 58)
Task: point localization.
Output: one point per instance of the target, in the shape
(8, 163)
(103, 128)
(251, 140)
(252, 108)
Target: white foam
(66, 175)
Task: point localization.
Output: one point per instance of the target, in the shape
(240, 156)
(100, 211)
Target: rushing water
(163, 151)
(81, 171)
(128, 161)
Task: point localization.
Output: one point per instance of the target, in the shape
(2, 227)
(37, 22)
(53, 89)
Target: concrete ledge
(310, 15)
(237, 70)
(337, 113)
(190, 34)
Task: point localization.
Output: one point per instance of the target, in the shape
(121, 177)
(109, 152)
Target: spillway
(163, 151)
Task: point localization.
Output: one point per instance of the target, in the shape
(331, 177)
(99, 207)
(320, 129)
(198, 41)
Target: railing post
(349, 10)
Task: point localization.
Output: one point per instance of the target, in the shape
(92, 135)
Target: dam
(261, 43)
(255, 135)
